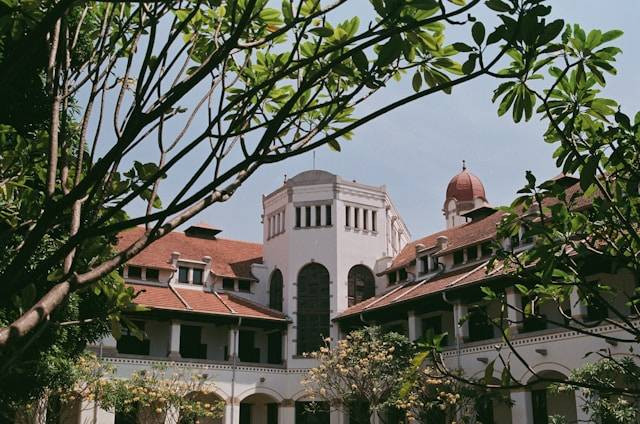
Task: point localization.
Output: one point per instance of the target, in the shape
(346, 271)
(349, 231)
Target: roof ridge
(426, 280)
(174, 291)
(215, 292)
(465, 275)
(383, 297)
(253, 303)
(183, 233)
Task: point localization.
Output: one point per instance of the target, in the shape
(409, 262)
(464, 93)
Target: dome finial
(464, 164)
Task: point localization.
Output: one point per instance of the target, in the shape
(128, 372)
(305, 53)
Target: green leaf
(424, 4)
(334, 145)
(390, 51)
(488, 372)
(287, 11)
(416, 82)
(361, 61)
(588, 171)
(611, 35)
(462, 47)
(551, 31)
(322, 31)
(506, 102)
(55, 275)
(270, 15)
(116, 328)
(498, 6)
(478, 32)
(469, 66)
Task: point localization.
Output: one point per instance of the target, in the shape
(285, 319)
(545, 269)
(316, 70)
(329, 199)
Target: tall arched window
(275, 290)
(313, 307)
(362, 285)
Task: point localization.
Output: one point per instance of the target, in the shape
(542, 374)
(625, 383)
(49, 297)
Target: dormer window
(458, 257)
(472, 253)
(393, 278)
(197, 276)
(402, 274)
(244, 286)
(189, 275)
(485, 249)
(228, 284)
(152, 274)
(424, 264)
(183, 275)
(135, 272)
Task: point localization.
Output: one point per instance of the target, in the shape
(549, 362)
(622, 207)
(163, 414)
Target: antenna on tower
(464, 164)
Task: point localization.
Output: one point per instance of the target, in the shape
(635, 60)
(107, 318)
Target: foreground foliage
(372, 373)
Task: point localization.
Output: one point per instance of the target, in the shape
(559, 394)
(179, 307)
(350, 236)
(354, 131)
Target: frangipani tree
(216, 87)
(590, 229)
(365, 368)
(157, 394)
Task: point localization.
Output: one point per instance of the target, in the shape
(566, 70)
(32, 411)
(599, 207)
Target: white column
(415, 326)
(460, 311)
(232, 413)
(233, 342)
(578, 308)
(174, 343)
(336, 416)
(514, 299)
(287, 412)
(521, 411)
(190, 275)
(90, 412)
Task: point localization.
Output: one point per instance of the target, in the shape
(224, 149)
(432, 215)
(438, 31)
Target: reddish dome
(465, 187)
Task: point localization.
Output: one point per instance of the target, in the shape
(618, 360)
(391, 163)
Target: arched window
(362, 285)
(275, 290)
(313, 307)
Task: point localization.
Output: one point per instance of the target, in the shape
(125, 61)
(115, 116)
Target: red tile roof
(230, 258)
(416, 290)
(200, 301)
(473, 232)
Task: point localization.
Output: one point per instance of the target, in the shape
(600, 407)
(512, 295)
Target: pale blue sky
(415, 150)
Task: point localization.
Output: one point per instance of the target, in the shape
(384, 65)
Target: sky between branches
(416, 149)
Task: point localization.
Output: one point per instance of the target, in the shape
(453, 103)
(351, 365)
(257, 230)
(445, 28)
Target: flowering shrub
(615, 397)
(364, 367)
(382, 372)
(430, 396)
(156, 395)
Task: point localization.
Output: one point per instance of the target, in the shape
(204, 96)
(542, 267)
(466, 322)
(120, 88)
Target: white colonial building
(336, 254)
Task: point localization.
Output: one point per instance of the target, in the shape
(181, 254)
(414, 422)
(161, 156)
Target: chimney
(207, 269)
(442, 242)
(202, 230)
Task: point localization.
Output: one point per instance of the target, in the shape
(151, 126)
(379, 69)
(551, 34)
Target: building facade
(336, 254)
